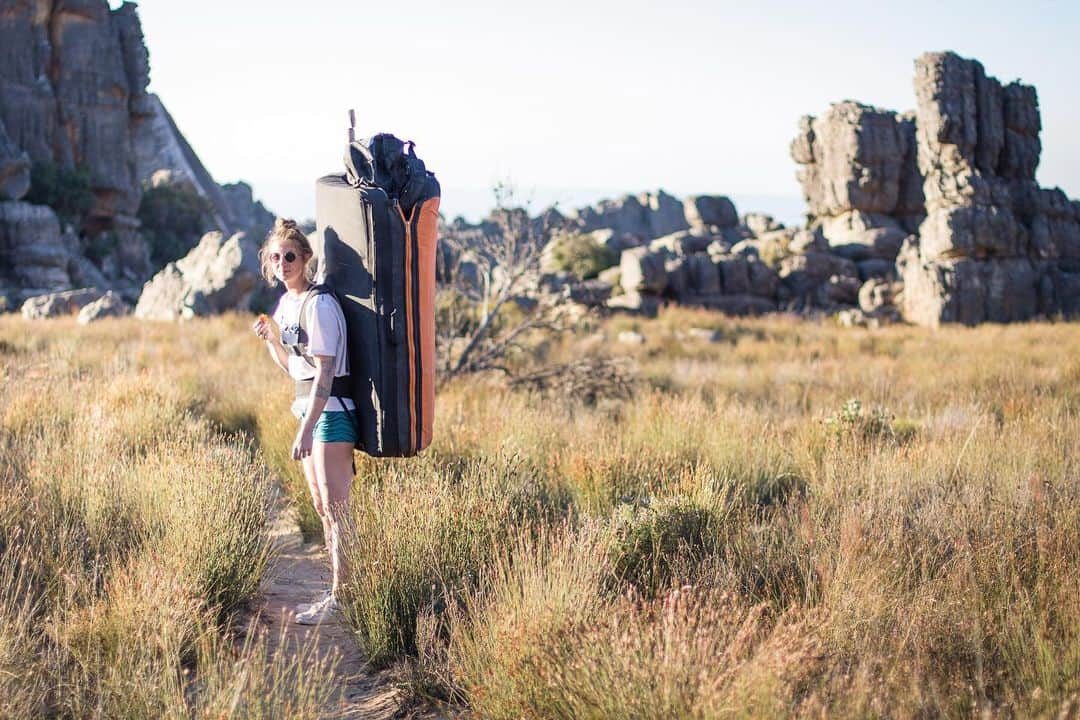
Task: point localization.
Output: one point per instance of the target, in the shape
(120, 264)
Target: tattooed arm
(320, 393)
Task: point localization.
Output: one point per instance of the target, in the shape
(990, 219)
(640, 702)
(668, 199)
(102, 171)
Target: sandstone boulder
(978, 232)
(859, 235)
(644, 216)
(703, 276)
(612, 276)
(1063, 291)
(758, 224)
(635, 304)
(803, 274)
(838, 290)
(805, 240)
(108, 305)
(642, 270)
(991, 237)
(878, 297)
(593, 293)
(853, 157)
(218, 275)
(764, 281)
(734, 275)
(969, 291)
(59, 304)
(678, 277)
(623, 216)
(1055, 224)
(710, 210)
(749, 248)
(246, 214)
(683, 242)
(876, 268)
(664, 213)
(37, 254)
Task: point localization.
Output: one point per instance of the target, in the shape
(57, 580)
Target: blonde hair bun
(284, 224)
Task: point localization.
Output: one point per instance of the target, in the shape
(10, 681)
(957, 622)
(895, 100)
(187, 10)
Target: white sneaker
(302, 607)
(319, 612)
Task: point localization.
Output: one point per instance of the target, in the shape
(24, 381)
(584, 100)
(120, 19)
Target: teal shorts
(335, 426)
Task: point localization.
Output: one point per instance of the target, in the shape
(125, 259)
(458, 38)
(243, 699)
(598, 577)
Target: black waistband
(342, 387)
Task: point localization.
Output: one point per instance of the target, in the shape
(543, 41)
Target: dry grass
(797, 520)
(134, 527)
(736, 538)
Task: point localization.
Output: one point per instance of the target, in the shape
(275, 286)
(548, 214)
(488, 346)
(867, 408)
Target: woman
(313, 353)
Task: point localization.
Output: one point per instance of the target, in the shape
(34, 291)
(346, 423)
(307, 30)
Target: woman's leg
(310, 474)
(333, 470)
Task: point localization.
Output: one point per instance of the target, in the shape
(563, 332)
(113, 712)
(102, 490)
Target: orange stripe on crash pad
(427, 236)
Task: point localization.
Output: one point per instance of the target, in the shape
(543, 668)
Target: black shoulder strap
(313, 292)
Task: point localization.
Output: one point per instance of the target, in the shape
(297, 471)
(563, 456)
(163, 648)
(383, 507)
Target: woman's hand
(262, 327)
(301, 447)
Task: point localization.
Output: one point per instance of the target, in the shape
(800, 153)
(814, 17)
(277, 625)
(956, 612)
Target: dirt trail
(298, 575)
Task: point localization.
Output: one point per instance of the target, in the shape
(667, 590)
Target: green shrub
(582, 256)
(649, 542)
(173, 218)
(853, 421)
(66, 191)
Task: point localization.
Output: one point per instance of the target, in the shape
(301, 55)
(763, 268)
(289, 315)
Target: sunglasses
(287, 257)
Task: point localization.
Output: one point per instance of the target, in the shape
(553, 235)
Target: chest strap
(342, 387)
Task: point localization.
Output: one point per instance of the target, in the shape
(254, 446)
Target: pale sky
(574, 101)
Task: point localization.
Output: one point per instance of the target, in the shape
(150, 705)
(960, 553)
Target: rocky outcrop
(994, 246)
(59, 304)
(859, 178)
(245, 213)
(73, 78)
(943, 197)
(955, 181)
(38, 253)
(108, 305)
(218, 275)
(73, 104)
(705, 212)
(640, 217)
(718, 260)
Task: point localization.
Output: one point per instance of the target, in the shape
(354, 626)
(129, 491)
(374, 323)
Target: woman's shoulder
(324, 303)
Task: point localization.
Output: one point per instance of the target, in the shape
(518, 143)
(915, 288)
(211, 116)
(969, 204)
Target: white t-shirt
(325, 325)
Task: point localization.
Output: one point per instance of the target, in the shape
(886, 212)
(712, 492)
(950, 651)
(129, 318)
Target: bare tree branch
(484, 277)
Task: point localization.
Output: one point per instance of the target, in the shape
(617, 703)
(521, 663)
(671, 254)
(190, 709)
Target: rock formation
(218, 275)
(108, 305)
(932, 214)
(948, 193)
(59, 304)
(73, 100)
(640, 217)
(859, 179)
(994, 245)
